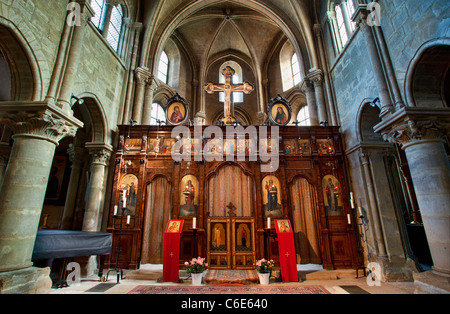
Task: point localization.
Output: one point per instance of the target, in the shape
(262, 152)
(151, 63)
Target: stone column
(421, 133)
(200, 118)
(316, 78)
(318, 32)
(142, 77)
(38, 127)
(136, 28)
(96, 187)
(73, 57)
(372, 50)
(148, 100)
(348, 26)
(76, 155)
(373, 213)
(262, 117)
(308, 88)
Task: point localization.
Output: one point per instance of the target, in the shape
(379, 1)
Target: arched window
(351, 10)
(108, 19)
(158, 113)
(291, 68)
(99, 7)
(238, 97)
(303, 117)
(163, 68)
(115, 27)
(297, 77)
(342, 26)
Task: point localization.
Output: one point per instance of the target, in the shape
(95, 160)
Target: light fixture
(324, 123)
(376, 102)
(77, 100)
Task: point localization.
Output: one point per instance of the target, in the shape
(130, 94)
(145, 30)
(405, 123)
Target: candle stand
(363, 229)
(119, 271)
(267, 234)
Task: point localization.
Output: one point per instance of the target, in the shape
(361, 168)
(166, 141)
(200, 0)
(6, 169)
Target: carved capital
(364, 157)
(101, 153)
(410, 125)
(76, 154)
(316, 77)
(317, 29)
(38, 120)
(307, 86)
(142, 76)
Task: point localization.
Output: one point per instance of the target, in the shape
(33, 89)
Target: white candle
(268, 222)
(124, 199)
(360, 213)
(128, 219)
(351, 200)
(115, 210)
(349, 219)
(194, 223)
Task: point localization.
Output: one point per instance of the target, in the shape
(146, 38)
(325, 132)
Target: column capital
(101, 153)
(41, 120)
(76, 154)
(414, 125)
(142, 76)
(152, 83)
(307, 86)
(364, 156)
(360, 15)
(86, 9)
(317, 29)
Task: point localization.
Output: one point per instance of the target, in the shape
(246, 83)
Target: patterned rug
(237, 277)
(248, 289)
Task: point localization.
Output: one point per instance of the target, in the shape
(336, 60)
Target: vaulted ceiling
(210, 28)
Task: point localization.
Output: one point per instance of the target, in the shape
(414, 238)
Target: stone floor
(347, 284)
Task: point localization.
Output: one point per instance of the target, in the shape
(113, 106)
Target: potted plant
(264, 268)
(196, 267)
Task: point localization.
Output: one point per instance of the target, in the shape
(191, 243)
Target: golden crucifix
(228, 88)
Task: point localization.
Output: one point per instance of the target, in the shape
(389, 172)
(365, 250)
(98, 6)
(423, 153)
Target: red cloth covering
(286, 247)
(171, 251)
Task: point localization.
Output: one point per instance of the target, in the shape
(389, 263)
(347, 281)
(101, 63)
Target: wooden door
(231, 243)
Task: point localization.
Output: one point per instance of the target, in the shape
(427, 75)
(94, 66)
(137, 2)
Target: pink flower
(186, 263)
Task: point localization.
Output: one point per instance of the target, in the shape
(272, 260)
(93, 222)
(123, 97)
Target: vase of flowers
(196, 267)
(264, 268)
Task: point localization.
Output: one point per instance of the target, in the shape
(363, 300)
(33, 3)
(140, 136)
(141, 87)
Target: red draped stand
(171, 251)
(286, 247)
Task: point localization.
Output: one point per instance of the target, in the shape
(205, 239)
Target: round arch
(94, 113)
(26, 77)
(427, 77)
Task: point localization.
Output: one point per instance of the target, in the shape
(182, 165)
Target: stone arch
(25, 73)
(94, 114)
(428, 76)
(368, 117)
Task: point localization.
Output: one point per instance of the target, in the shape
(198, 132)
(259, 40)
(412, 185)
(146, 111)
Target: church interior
(120, 116)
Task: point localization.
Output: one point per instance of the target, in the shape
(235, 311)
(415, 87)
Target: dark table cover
(52, 244)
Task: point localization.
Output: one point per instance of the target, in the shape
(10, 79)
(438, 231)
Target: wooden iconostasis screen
(156, 216)
(305, 214)
(230, 185)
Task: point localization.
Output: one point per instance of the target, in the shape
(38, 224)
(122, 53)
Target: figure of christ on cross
(228, 88)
